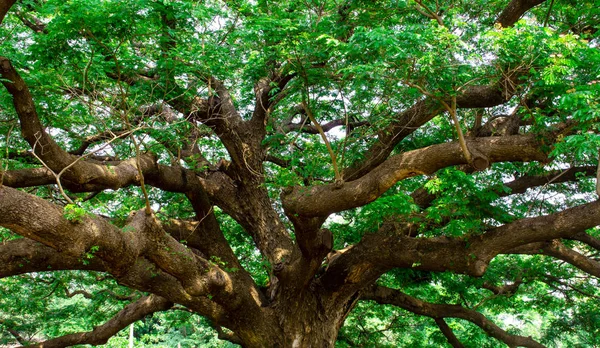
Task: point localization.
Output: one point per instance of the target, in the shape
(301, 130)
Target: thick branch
(406, 122)
(57, 159)
(34, 218)
(376, 253)
(384, 295)
(5, 5)
(101, 334)
(559, 251)
(24, 255)
(514, 10)
(326, 199)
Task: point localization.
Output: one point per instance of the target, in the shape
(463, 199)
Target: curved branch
(377, 253)
(514, 10)
(57, 159)
(504, 289)
(587, 239)
(267, 91)
(311, 129)
(521, 184)
(5, 6)
(384, 295)
(101, 334)
(91, 296)
(406, 122)
(34, 218)
(559, 251)
(13, 332)
(423, 198)
(326, 199)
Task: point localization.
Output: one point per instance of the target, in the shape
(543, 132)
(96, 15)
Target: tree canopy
(310, 173)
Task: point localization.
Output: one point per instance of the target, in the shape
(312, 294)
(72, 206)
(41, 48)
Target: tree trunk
(307, 320)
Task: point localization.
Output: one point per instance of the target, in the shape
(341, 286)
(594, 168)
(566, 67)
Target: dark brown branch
(311, 129)
(91, 296)
(447, 331)
(423, 198)
(207, 237)
(587, 239)
(384, 295)
(521, 184)
(9, 327)
(5, 5)
(559, 251)
(514, 10)
(266, 98)
(37, 25)
(278, 161)
(507, 289)
(101, 334)
(550, 280)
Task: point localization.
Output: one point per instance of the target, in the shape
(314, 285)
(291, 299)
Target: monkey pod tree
(301, 173)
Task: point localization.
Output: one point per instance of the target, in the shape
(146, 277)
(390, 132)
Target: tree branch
(266, 99)
(587, 239)
(406, 122)
(34, 218)
(9, 327)
(326, 199)
(311, 129)
(423, 198)
(19, 256)
(5, 6)
(379, 252)
(57, 159)
(514, 10)
(447, 331)
(384, 295)
(559, 251)
(100, 335)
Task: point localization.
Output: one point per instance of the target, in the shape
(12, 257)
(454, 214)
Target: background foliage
(363, 61)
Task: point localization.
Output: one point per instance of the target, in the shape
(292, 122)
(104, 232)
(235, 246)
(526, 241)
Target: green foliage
(98, 64)
(74, 213)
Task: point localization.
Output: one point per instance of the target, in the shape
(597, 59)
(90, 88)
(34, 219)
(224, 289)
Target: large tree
(301, 173)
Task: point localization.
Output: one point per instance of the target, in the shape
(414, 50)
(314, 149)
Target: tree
(298, 173)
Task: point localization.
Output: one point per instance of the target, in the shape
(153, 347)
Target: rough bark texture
(307, 299)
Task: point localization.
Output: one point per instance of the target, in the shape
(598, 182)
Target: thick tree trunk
(303, 321)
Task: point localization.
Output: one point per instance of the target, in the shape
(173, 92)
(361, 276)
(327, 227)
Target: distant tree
(300, 173)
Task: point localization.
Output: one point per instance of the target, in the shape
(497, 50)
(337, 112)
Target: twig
(452, 111)
(310, 115)
(57, 176)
